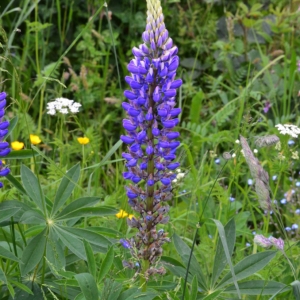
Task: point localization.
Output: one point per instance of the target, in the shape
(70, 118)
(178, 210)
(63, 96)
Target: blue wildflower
(150, 137)
(294, 226)
(231, 199)
(4, 146)
(217, 161)
(288, 228)
(297, 183)
(297, 211)
(250, 181)
(274, 177)
(248, 244)
(283, 201)
(291, 142)
(125, 243)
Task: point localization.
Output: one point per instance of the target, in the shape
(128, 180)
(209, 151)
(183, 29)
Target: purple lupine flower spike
(150, 135)
(4, 146)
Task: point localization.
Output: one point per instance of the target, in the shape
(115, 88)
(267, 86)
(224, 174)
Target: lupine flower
(35, 139)
(83, 140)
(62, 105)
(4, 146)
(16, 145)
(150, 136)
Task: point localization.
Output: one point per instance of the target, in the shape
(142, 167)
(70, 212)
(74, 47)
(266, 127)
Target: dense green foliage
(58, 230)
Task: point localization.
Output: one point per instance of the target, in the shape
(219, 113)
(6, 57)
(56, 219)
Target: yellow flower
(34, 139)
(121, 214)
(16, 145)
(131, 216)
(83, 140)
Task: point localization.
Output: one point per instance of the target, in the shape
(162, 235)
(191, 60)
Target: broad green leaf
(32, 217)
(7, 254)
(258, 287)
(227, 253)
(65, 188)
(87, 285)
(95, 239)
(2, 276)
(16, 184)
(90, 258)
(8, 212)
(32, 187)
(77, 204)
(33, 253)
(21, 154)
(115, 291)
(24, 294)
(196, 107)
(55, 252)
(194, 289)
(106, 264)
(71, 241)
(296, 289)
(220, 260)
(184, 251)
(248, 266)
(21, 286)
(89, 212)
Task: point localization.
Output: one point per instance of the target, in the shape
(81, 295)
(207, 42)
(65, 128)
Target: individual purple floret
(150, 137)
(4, 146)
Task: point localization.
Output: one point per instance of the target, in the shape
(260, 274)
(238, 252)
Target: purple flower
(267, 106)
(150, 137)
(4, 146)
(125, 243)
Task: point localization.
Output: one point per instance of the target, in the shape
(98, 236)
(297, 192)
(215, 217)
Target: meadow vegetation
(233, 227)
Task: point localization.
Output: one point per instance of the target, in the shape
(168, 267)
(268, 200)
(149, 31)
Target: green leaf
(136, 294)
(90, 258)
(70, 241)
(7, 254)
(89, 212)
(213, 296)
(194, 289)
(184, 252)
(227, 253)
(95, 239)
(8, 212)
(77, 204)
(196, 107)
(66, 188)
(220, 256)
(248, 266)
(32, 187)
(258, 287)
(106, 264)
(33, 253)
(55, 252)
(21, 286)
(296, 289)
(32, 217)
(88, 286)
(2, 276)
(16, 184)
(21, 154)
